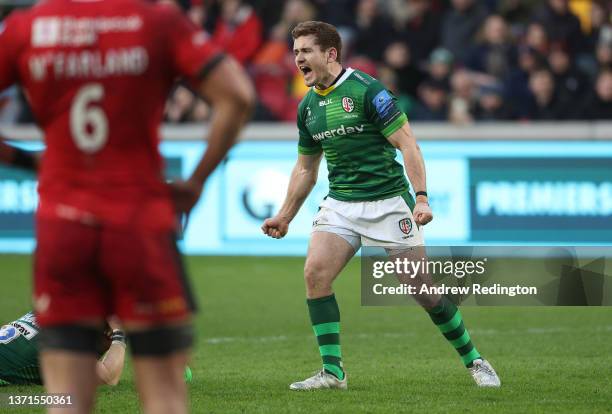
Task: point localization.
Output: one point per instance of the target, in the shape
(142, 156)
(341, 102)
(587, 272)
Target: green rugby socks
(325, 318)
(447, 318)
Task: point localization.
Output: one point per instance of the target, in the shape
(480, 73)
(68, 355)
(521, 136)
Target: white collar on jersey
(324, 92)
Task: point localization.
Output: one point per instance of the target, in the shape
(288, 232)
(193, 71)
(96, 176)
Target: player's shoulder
(365, 80)
(362, 78)
(364, 83)
(306, 100)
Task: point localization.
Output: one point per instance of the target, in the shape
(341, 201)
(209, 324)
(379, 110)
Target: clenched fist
(275, 227)
(422, 213)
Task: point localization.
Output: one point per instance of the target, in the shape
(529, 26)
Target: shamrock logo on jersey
(347, 104)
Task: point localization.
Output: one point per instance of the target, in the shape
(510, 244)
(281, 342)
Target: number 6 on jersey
(88, 123)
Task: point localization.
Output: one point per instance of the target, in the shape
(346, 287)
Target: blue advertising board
(541, 199)
(485, 192)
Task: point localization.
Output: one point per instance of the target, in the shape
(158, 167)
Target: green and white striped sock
(447, 318)
(325, 318)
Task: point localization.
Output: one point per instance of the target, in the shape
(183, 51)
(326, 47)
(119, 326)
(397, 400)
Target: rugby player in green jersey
(19, 362)
(351, 118)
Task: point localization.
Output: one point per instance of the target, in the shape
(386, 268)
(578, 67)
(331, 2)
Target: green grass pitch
(255, 338)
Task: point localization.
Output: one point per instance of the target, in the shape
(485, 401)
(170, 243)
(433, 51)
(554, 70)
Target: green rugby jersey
(349, 122)
(19, 352)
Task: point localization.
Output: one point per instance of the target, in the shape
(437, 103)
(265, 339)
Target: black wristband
(25, 159)
(423, 193)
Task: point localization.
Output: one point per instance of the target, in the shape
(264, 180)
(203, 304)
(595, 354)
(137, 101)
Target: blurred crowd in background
(460, 61)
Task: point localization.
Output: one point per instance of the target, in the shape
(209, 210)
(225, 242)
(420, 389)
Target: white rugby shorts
(384, 223)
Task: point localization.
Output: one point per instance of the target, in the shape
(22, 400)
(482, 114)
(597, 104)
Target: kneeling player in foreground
(352, 118)
(19, 362)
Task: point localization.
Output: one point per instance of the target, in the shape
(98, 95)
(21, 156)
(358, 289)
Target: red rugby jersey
(97, 74)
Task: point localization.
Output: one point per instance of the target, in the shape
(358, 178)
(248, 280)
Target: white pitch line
(480, 332)
(226, 339)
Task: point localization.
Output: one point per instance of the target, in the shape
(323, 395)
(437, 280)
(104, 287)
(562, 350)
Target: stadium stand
(461, 61)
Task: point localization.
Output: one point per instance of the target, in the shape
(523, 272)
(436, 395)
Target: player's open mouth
(305, 70)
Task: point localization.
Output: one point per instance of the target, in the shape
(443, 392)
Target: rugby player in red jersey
(96, 74)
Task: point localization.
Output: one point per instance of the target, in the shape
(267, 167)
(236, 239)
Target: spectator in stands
(364, 64)
(279, 86)
(201, 112)
(546, 104)
(600, 19)
(604, 50)
(270, 12)
(462, 101)
(397, 57)
(570, 81)
(372, 31)
(404, 41)
(460, 25)
(598, 105)
(416, 24)
(561, 24)
(336, 12)
(197, 12)
(537, 38)
(494, 54)
(238, 30)
(432, 104)
(440, 66)
(388, 78)
(340, 13)
(181, 105)
(516, 85)
(491, 105)
(517, 14)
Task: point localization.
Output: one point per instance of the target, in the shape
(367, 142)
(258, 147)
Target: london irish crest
(347, 104)
(405, 225)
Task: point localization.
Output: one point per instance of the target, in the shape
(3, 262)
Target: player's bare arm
(110, 367)
(404, 140)
(230, 93)
(303, 178)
